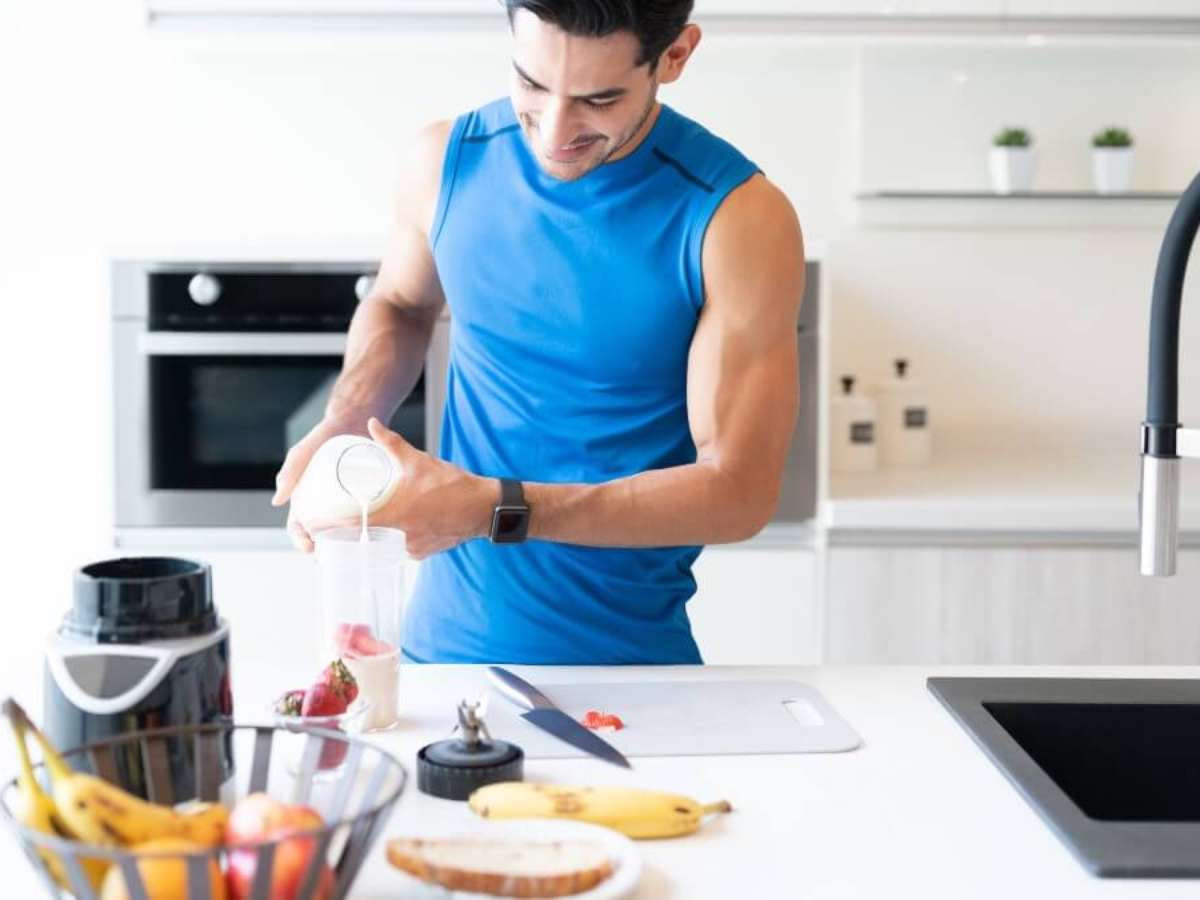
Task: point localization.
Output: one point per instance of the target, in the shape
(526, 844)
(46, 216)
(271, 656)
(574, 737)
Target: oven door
(218, 413)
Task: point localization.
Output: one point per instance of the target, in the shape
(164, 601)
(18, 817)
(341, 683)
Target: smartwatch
(510, 517)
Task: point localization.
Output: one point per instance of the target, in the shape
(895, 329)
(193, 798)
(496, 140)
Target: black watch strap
(510, 518)
(511, 492)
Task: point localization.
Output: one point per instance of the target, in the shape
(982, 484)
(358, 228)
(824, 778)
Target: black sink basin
(1111, 765)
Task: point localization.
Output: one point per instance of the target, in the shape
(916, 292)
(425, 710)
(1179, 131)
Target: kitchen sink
(1111, 764)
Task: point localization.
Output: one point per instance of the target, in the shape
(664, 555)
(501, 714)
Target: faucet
(1164, 441)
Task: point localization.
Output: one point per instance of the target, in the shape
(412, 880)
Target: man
(623, 287)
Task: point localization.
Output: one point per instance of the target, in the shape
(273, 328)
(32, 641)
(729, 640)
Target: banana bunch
(90, 810)
(35, 809)
(634, 812)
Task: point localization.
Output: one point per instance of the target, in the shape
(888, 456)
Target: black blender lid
(134, 600)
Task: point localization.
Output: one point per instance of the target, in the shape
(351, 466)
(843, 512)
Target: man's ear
(675, 57)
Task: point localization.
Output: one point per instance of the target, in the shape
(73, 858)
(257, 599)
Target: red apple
(292, 856)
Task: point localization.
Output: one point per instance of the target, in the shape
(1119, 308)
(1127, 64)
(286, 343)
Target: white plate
(626, 860)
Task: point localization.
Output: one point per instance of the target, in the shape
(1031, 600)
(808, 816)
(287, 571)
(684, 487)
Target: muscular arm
(743, 391)
(390, 331)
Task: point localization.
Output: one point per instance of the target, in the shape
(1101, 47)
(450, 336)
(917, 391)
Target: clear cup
(363, 591)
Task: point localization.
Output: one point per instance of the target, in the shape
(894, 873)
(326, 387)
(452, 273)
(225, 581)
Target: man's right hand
(298, 458)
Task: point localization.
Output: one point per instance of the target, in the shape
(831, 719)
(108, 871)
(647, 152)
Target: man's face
(580, 100)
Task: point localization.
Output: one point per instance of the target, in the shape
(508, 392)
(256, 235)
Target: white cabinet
(850, 8)
(756, 605)
(1100, 9)
(1068, 605)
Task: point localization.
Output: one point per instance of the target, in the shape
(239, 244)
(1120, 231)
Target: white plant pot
(1112, 169)
(1013, 169)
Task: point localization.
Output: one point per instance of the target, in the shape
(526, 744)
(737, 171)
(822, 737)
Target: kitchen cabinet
(850, 8)
(1007, 604)
(756, 605)
(1101, 9)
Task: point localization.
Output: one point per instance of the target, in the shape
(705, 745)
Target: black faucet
(1164, 440)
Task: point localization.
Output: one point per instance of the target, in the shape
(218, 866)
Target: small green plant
(1013, 137)
(1112, 137)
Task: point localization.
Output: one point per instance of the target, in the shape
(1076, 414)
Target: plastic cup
(363, 591)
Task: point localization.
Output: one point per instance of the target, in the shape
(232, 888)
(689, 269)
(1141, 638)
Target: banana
(100, 813)
(35, 809)
(634, 812)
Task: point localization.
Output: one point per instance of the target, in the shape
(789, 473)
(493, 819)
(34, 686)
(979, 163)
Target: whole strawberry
(290, 703)
(323, 700)
(339, 678)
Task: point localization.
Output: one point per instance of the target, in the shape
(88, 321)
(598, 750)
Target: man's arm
(742, 397)
(743, 394)
(390, 331)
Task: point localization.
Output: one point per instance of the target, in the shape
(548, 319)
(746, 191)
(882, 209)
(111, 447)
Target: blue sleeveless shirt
(572, 309)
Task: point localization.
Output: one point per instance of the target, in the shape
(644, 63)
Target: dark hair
(655, 23)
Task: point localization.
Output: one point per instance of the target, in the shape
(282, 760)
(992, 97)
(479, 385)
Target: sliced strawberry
(333, 753)
(595, 719)
(290, 703)
(322, 700)
(338, 677)
(347, 634)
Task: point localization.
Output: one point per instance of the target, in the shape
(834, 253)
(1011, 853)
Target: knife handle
(513, 688)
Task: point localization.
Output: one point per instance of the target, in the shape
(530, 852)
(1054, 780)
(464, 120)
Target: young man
(623, 287)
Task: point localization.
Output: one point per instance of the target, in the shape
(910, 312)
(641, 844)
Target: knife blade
(541, 712)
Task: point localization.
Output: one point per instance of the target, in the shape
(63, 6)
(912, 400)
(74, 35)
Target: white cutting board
(686, 718)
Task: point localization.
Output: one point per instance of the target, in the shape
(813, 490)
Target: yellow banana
(634, 812)
(35, 809)
(103, 814)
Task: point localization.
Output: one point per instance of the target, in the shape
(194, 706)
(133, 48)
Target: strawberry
(338, 677)
(595, 720)
(289, 703)
(348, 635)
(323, 700)
(332, 754)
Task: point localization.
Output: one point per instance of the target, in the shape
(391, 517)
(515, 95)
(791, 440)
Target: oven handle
(221, 343)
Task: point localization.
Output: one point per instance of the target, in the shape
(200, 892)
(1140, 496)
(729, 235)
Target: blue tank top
(572, 309)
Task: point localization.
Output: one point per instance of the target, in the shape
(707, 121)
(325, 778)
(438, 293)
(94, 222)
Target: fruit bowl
(354, 800)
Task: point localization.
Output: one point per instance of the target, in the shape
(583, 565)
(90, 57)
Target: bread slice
(503, 868)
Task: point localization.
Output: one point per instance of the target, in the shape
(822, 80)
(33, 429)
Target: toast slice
(503, 868)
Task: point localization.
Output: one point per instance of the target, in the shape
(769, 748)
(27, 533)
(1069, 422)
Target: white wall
(113, 136)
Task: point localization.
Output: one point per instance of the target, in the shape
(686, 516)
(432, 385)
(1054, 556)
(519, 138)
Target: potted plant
(1112, 161)
(1012, 161)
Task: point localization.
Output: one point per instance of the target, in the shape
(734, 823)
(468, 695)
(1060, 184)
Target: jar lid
(134, 600)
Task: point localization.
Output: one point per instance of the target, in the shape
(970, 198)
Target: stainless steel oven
(219, 368)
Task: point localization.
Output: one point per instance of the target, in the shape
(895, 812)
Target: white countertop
(1000, 489)
(917, 811)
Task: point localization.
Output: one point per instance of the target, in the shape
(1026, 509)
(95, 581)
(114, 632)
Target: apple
(259, 818)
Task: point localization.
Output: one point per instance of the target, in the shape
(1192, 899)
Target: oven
(218, 370)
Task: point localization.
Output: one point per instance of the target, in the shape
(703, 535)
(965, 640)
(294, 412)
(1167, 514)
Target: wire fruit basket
(228, 762)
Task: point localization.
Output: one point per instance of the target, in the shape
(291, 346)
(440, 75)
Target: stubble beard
(617, 147)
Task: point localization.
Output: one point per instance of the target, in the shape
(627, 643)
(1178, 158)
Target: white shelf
(1037, 209)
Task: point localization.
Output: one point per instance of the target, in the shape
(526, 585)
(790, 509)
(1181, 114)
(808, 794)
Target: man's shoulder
(489, 120)
(708, 156)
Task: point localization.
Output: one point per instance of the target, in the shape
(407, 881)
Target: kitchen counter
(917, 811)
(1039, 492)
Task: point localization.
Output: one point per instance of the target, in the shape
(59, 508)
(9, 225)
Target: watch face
(509, 524)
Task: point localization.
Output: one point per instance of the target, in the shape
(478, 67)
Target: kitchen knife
(542, 712)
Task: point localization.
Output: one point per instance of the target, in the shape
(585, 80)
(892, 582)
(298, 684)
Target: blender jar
(363, 589)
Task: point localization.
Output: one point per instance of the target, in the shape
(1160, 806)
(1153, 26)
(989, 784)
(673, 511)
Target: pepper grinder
(455, 768)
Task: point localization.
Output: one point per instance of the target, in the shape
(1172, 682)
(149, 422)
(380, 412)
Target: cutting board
(686, 718)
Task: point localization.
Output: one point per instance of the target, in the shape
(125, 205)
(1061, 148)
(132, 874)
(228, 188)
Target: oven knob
(204, 289)
(363, 287)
